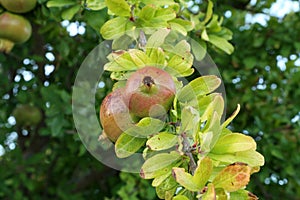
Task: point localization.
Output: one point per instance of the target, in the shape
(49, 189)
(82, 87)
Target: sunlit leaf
(60, 3)
(232, 143)
(157, 38)
(126, 145)
(199, 86)
(209, 11)
(203, 172)
(229, 119)
(185, 179)
(211, 133)
(159, 164)
(221, 43)
(145, 127)
(251, 157)
(118, 7)
(162, 141)
(233, 177)
(189, 121)
(115, 27)
(180, 197)
(95, 4)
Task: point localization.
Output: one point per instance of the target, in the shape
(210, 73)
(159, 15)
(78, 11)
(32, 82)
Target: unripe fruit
(18, 6)
(14, 27)
(150, 92)
(114, 115)
(27, 115)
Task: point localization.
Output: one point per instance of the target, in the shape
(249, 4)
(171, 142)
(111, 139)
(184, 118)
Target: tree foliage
(48, 160)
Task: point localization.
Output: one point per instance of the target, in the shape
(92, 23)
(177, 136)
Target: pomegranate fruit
(150, 92)
(114, 115)
(14, 27)
(18, 6)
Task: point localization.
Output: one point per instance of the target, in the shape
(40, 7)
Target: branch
(187, 150)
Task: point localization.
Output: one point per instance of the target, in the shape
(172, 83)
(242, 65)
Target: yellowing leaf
(126, 145)
(162, 141)
(233, 177)
(159, 164)
(203, 172)
(234, 142)
(118, 7)
(185, 179)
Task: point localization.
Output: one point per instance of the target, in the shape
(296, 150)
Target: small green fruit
(150, 92)
(18, 6)
(14, 27)
(27, 115)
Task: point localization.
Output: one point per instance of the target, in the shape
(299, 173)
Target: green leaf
(180, 63)
(60, 3)
(145, 127)
(185, 179)
(198, 49)
(234, 142)
(251, 157)
(158, 2)
(199, 86)
(180, 197)
(118, 7)
(233, 177)
(229, 119)
(69, 13)
(242, 194)
(221, 43)
(157, 38)
(126, 60)
(217, 105)
(115, 28)
(211, 133)
(95, 4)
(165, 14)
(209, 11)
(160, 179)
(167, 188)
(205, 101)
(203, 172)
(189, 121)
(126, 145)
(162, 141)
(159, 164)
(210, 193)
(157, 57)
(147, 13)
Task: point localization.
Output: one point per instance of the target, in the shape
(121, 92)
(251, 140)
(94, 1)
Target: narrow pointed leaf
(229, 119)
(180, 197)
